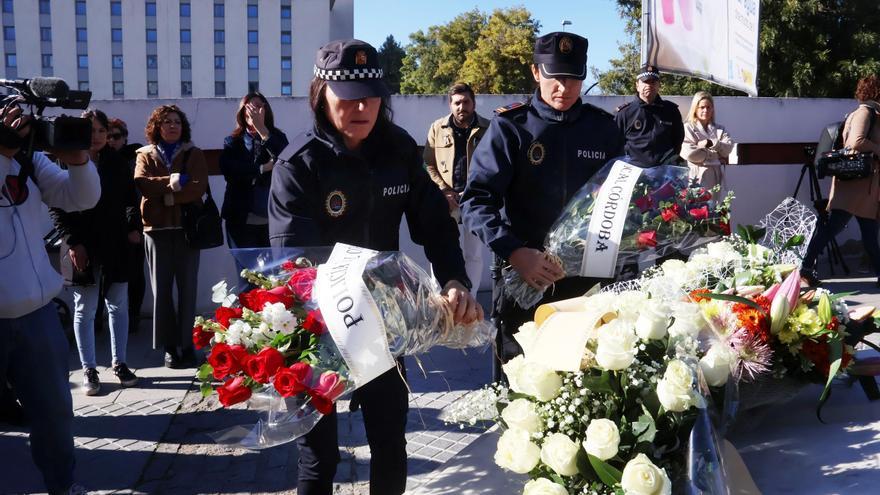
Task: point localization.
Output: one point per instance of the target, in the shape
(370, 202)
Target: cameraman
(33, 347)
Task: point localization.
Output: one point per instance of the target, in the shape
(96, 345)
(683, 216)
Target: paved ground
(153, 438)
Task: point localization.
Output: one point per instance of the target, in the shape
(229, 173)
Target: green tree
(433, 58)
(500, 61)
(490, 52)
(391, 60)
(808, 48)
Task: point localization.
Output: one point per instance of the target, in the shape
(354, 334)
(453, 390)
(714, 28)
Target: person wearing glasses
(246, 161)
(117, 138)
(170, 172)
(94, 257)
(33, 347)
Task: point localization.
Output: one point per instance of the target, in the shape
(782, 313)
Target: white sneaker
(91, 382)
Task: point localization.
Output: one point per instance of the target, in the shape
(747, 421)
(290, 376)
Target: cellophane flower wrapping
(271, 345)
(607, 398)
(643, 215)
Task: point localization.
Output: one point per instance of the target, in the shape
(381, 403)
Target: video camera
(59, 132)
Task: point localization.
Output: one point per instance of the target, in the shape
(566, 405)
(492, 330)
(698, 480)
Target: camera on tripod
(61, 132)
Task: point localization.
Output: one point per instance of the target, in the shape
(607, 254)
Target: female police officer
(350, 180)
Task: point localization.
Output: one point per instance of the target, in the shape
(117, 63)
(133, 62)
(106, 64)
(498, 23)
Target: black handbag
(846, 165)
(843, 163)
(201, 223)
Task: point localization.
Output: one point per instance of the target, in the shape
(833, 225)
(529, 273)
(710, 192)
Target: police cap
(351, 69)
(561, 55)
(648, 73)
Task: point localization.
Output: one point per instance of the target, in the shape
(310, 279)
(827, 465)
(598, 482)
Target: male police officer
(533, 158)
(652, 126)
(448, 151)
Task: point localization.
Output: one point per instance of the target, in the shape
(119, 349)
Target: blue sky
(597, 20)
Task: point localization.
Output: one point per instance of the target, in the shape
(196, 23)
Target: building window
(285, 11)
(83, 85)
(253, 87)
(152, 61)
(80, 8)
(81, 34)
(185, 36)
(11, 61)
(185, 10)
(150, 9)
(253, 37)
(47, 60)
(186, 62)
(45, 34)
(253, 63)
(44, 7)
(218, 10)
(117, 61)
(252, 11)
(286, 89)
(7, 6)
(9, 33)
(219, 36)
(82, 61)
(219, 62)
(116, 34)
(285, 37)
(115, 8)
(219, 88)
(151, 36)
(186, 88)
(118, 88)
(286, 63)
(152, 88)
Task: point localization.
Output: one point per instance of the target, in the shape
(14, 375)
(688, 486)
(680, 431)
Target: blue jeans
(837, 221)
(33, 357)
(85, 302)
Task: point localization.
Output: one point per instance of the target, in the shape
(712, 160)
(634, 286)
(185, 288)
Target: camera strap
(26, 164)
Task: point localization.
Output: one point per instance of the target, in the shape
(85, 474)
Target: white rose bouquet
(604, 399)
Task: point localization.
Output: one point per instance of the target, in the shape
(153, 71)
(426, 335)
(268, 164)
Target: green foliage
(807, 48)
(391, 60)
(606, 472)
(490, 52)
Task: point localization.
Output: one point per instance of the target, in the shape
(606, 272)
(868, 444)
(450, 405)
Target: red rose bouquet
(626, 215)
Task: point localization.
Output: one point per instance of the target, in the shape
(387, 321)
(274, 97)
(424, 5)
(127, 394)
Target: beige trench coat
(706, 163)
(860, 197)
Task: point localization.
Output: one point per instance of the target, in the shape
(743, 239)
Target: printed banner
(606, 223)
(715, 40)
(351, 314)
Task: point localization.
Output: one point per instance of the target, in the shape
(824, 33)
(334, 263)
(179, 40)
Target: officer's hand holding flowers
(535, 267)
(465, 308)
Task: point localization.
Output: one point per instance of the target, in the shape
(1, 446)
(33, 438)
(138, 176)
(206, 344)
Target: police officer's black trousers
(385, 404)
(509, 316)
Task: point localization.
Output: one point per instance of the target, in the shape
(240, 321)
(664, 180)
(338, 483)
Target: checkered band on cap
(649, 73)
(347, 74)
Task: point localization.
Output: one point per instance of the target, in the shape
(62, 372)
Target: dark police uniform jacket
(325, 193)
(528, 165)
(653, 131)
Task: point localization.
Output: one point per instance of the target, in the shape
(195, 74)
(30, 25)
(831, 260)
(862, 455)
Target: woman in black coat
(94, 257)
(246, 161)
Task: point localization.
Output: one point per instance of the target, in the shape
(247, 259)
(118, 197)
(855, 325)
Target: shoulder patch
(507, 108)
(299, 143)
(621, 107)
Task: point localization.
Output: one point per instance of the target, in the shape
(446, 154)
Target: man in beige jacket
(448, 151)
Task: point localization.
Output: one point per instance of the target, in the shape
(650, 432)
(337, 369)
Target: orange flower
(697, 295)
(753, 321)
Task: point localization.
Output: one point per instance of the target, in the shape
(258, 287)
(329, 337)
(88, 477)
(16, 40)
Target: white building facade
(136, 49)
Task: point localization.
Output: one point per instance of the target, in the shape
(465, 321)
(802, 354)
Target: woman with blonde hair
(706, 144)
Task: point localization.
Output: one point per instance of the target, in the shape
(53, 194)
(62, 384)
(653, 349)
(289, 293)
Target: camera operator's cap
(561, 55)
(351, 69)
(648, 73)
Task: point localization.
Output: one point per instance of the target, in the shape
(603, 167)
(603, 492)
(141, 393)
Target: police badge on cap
(561, 55)
(351, 69)
(648, 73)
